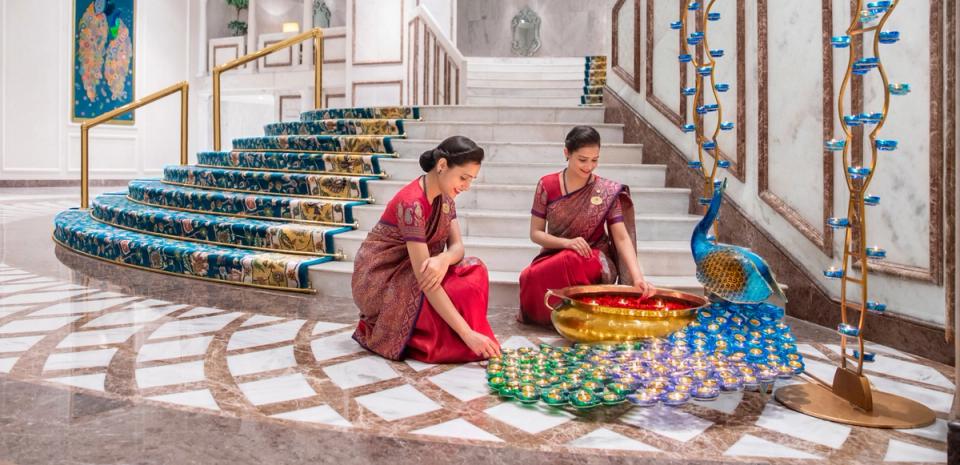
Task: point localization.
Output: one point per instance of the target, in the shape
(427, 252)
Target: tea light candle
(676, 398)
(848, 329)
(899, 89)
(716, 53)
(643, 399)
(704, 70)
(713, 16)
(554, 396)
(726, 125)
(867, 356)
(706, 393)
(871, 200)
(889, 37)
(886, 145)
(858, 171)
(689, 127)
(840, 41)
(688, 91)
(676, 25)
(852, 120)
(693, 6)
(835, 145)
(876, 253)
(694, 40)
(584, 398)
(709, 145)
(876, 307)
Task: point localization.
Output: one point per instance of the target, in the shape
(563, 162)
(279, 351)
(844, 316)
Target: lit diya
(612, 313)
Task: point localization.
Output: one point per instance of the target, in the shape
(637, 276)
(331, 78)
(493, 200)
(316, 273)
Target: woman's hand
(578, 245)
(648, 289)
(432, 272)
(482, 345)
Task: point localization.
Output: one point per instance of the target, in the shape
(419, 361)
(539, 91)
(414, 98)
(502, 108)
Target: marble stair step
(333, 279)
(527, 152)
(517, 198)
(544, 91)
(522, 81)
(633, 175)
(506, 131)
(538, 61)
(527, 101)
(492, 223)
(528, 74)
(565, 114)
(513, 254)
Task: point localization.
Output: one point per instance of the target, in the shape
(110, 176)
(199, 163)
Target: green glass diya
(496, 382)
(584, 399)
(612, 398)
(528, 394)
(592, 385)
(554, 396)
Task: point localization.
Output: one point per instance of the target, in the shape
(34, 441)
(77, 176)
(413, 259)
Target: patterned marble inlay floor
(308, 372)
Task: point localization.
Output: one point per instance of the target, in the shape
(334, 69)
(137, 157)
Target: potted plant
(238, 27)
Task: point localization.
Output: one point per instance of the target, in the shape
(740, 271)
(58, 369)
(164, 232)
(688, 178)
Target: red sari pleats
(556, 271)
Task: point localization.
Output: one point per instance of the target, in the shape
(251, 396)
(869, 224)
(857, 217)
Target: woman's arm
(628, 252)
(540, 236)
(441, 303)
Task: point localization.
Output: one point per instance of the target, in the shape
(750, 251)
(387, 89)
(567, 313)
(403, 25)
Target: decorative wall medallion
(526, 32)
(321, 14)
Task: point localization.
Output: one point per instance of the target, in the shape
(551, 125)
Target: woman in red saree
(585, 225)
(418, 296)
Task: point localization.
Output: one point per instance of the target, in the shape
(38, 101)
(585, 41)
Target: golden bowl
(577, 319)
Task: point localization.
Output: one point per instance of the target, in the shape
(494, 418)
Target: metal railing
(316, 34)
(182, 87)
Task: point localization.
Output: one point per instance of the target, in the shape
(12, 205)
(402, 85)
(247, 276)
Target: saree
(587, 212)
(396, 319)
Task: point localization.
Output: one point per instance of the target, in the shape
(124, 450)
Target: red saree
(587, 212)
(396, 319)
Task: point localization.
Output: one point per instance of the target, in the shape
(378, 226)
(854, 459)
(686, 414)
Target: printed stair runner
(594, 78)
(258, 215)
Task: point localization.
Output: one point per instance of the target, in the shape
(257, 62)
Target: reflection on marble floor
(264, 359)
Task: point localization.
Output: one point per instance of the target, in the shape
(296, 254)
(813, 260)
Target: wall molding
(822, 235)
(950, 172)
(353, 42)
(631, 78)
(678, 119)
(356, 84)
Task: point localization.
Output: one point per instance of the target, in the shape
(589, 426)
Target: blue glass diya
(833, 272)
(886, 145)
(685, 58)
(867, 356)
(848, 329)
(876, 252)
(688, 91)
(870, 118)
(694, 40)
(709, 145)
(694, 164)
(899, 89)
(704, 70)
(689, 127)
(726, 125)
(875, 306)
(835, 145)
(858, 171)
(676, 25)
(867, 16)
(840, 41)
(716, 53)
(704, 201)
(713, 16)
(889, 37)
(871, 200)
(723, 163)
(838, 222)
(693, 6)
(721, 86)
(879, 6)
(852, 120)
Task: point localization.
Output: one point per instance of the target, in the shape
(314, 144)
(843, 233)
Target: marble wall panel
(626, 32)
(663, 46)
(380, 22)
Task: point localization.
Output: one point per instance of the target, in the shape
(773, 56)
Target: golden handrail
(316, 34)
(182, 87)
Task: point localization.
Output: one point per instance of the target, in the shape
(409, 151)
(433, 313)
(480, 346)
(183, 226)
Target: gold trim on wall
(821, 235)
(677, 118)
(632, 79)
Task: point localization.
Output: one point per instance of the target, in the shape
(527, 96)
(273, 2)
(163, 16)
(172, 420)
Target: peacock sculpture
(732, 273)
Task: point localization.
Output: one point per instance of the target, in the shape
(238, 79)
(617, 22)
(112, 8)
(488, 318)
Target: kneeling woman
(418, 296)
(585, 225)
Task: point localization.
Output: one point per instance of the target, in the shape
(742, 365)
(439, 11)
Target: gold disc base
(889, 411)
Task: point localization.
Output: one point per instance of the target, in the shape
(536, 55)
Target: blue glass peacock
(732, 273)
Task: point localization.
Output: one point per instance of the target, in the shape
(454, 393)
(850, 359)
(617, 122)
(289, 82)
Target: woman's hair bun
(457, 150)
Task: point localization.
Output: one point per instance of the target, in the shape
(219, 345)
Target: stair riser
(502, 294)
(352, 144)
(514, 226)
(512, 82)
(518, 61)
(546, 115)
(506, 132)
(340, 187)
(516, 258)
(525, 153)
(482, 198)
(634, 176)
(311, 162)
(380, 127)
(550, 92)
(524, 101)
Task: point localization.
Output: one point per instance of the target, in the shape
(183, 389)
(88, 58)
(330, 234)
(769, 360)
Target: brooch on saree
(446, 209)
(596, 200)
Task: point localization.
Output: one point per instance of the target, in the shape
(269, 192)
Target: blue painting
(102, 58)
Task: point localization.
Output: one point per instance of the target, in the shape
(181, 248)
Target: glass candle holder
(848, 329)
(889, 37)
(871, 200)
(840, 41)
(876, 307)
(716, 53)
(713, 16)
(676, 25)
(689, 127)
(688, 91)
(835, 145)
(685, 57)
(886, 145)
(867, 356)
(876, 253)
(898, 89)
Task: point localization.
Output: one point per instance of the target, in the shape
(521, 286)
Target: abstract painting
(103, 56)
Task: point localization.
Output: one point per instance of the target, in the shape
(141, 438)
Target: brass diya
(577, 317)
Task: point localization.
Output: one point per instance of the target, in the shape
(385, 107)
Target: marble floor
(103, 364)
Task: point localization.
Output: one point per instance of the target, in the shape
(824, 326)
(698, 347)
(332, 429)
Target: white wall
(795, 90)
(567, 27)
(37, 138)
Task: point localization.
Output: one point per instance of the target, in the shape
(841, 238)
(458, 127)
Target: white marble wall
(567, 28)
(626, 19)
(901, 223)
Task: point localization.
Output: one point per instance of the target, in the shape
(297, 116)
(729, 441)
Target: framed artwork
(103, 58)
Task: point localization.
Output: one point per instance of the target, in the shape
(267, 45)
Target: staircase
(289, 210)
